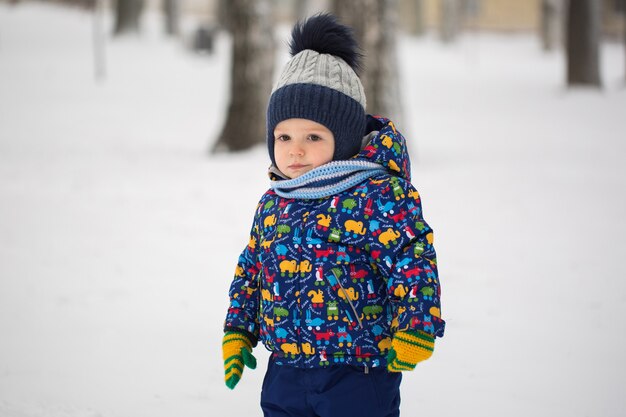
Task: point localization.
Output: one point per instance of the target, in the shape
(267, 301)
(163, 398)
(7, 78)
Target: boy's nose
(296, 151)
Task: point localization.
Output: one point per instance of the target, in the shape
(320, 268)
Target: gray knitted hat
(320, 83)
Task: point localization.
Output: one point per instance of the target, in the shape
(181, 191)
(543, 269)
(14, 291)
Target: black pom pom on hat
(323, 33)
(320, 83)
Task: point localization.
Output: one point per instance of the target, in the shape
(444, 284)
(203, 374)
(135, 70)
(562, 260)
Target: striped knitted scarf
(328, 179)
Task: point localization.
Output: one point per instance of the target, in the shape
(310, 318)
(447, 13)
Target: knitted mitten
(237, 350)
(408, 348)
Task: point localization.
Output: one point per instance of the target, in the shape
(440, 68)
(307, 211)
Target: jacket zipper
(345, 294)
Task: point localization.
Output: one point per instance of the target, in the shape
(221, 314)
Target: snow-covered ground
(119, 233)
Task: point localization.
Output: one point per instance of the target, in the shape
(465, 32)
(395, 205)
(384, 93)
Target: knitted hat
(320, 83)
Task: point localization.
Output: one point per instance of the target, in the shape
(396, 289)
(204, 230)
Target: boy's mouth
(296, 166)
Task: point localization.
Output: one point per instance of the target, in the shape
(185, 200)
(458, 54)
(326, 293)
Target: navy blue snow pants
(336, 391)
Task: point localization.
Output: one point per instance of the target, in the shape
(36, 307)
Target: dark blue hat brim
(339, 113)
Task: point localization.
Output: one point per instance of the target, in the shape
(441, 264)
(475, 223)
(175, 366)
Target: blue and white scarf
(328, 179)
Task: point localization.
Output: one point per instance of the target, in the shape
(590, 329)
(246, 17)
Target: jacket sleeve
(242, 315)
(404, 254)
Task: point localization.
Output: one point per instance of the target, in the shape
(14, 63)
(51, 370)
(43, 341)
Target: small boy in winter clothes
(339, 278)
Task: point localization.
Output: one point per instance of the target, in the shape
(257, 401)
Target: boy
(339, 279)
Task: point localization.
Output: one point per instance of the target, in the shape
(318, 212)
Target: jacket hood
(383, 144)
(386, 146)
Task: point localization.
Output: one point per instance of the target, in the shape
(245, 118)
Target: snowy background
(119, 232)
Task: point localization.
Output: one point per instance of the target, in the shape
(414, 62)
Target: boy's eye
(283, 138)
(314, 138)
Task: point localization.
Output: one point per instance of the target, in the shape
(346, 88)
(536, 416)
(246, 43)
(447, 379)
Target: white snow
(119, 232)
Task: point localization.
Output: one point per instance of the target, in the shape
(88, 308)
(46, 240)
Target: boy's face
(301, 145)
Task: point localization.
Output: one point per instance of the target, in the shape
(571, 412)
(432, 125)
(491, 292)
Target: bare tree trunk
(172, 17)
(420, 18)
(583, 43)
(411, 13)
(99, 52)
(624, 33)
(301, 9)
(375, 30)
(127, 13)
(551, 28)
(449, 20)
(252, 69)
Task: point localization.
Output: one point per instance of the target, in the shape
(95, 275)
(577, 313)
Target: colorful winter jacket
(330, 280)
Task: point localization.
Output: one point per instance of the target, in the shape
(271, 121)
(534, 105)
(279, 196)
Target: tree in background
(412, 15)
(419, 27)
(624, 32)
(551, 26)
(250, 22)
(301, 9)
(171, 9)
(99, 40)
(374, 23)
(583, 43)
(127, 14)
(449, 20)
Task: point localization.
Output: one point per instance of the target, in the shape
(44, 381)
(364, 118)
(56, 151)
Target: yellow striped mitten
(408, 348)
(237, 350)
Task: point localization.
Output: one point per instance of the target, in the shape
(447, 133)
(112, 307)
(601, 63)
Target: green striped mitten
(237, 350)
(408, 348)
